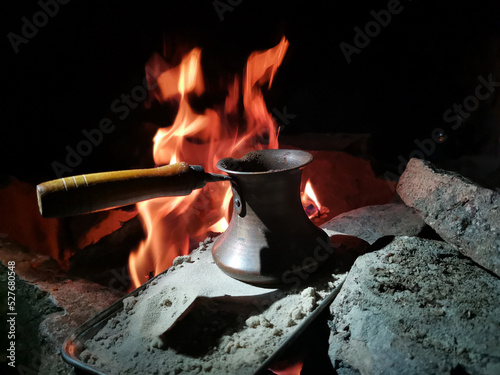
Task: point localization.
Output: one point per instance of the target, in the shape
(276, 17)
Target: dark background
(397, 88)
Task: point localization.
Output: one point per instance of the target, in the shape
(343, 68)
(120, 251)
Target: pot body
(269, 237)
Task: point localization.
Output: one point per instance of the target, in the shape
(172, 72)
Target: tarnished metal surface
(270, 235)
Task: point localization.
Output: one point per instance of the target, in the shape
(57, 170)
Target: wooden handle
(98, 191)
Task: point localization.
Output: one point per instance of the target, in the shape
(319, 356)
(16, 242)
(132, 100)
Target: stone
(49, 306)
(373, 222)
(339, 189)
(416, 306)
(461, 212)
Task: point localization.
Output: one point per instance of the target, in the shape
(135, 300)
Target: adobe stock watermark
(371, 30)
(301, 272)
(293, 278)
(92, 138)
(223, 6)
(32, 368)
(459, 112)
(282, 117)
(199, 206)
(456, 116)
(121, 279)
(30, 27)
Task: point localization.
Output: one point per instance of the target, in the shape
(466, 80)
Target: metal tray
(74, 345)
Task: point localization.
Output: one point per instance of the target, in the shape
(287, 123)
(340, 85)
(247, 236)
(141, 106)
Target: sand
(194, 319)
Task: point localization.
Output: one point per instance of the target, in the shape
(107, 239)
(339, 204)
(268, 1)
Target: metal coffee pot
(269, 235)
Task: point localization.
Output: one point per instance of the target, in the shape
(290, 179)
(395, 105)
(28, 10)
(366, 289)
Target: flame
(310, 201)
(309, 192)
(219, 226)
(172, 223)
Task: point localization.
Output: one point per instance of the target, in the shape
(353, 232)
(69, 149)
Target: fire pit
(164, 83)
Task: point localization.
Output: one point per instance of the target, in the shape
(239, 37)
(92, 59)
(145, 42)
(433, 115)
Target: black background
(397, 88)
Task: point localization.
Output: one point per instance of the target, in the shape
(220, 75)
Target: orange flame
(219, 226)
(308, 191)
(173, 223)
(308, 198)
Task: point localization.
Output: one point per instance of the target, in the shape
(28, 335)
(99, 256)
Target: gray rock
(372, 222)
(461, 212)
(49, 307)
(417, 307)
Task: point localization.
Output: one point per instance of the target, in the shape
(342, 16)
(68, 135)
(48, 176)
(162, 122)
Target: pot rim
(273, 160)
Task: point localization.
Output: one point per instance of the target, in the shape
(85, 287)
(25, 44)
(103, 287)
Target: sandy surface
(222, 326)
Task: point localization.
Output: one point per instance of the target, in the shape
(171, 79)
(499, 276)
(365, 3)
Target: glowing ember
(201, 139)
(108, 225)
(290, 370)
